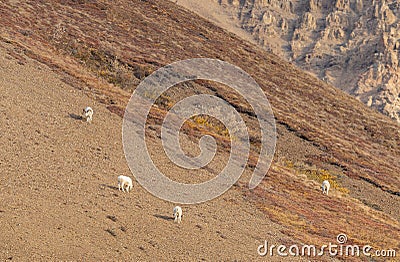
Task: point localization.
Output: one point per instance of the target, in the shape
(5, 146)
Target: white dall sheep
(125, 181)
(88, 114)
(177, 214)
(325, 187)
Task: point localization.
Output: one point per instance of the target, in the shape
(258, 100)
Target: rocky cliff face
(352, 44)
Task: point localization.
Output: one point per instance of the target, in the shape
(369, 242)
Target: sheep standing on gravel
(177, 214)
(325, 187)
(88, 114)
(124, 181)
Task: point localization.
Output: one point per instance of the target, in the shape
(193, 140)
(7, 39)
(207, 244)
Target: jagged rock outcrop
(352, 44)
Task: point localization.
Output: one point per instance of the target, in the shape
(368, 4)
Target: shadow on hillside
(112, 187)
(75, 116)
(164, 217)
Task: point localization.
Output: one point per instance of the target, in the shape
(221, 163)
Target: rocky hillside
(58, 174)
(351, 44)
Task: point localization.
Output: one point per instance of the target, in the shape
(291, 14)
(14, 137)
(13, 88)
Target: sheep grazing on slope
(177, 214)
(325, 187)
(88, 114)
(125, 181)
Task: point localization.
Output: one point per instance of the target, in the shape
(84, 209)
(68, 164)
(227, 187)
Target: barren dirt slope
(58, 192)
(215, 13)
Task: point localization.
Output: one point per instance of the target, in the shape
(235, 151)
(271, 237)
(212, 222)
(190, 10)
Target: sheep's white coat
(177, 214)
(325, 187)
(125, 181)
(88, 114)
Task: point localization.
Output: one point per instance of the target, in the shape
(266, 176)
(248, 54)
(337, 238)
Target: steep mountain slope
(59, 199)
(105, 49)
(352, 45)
